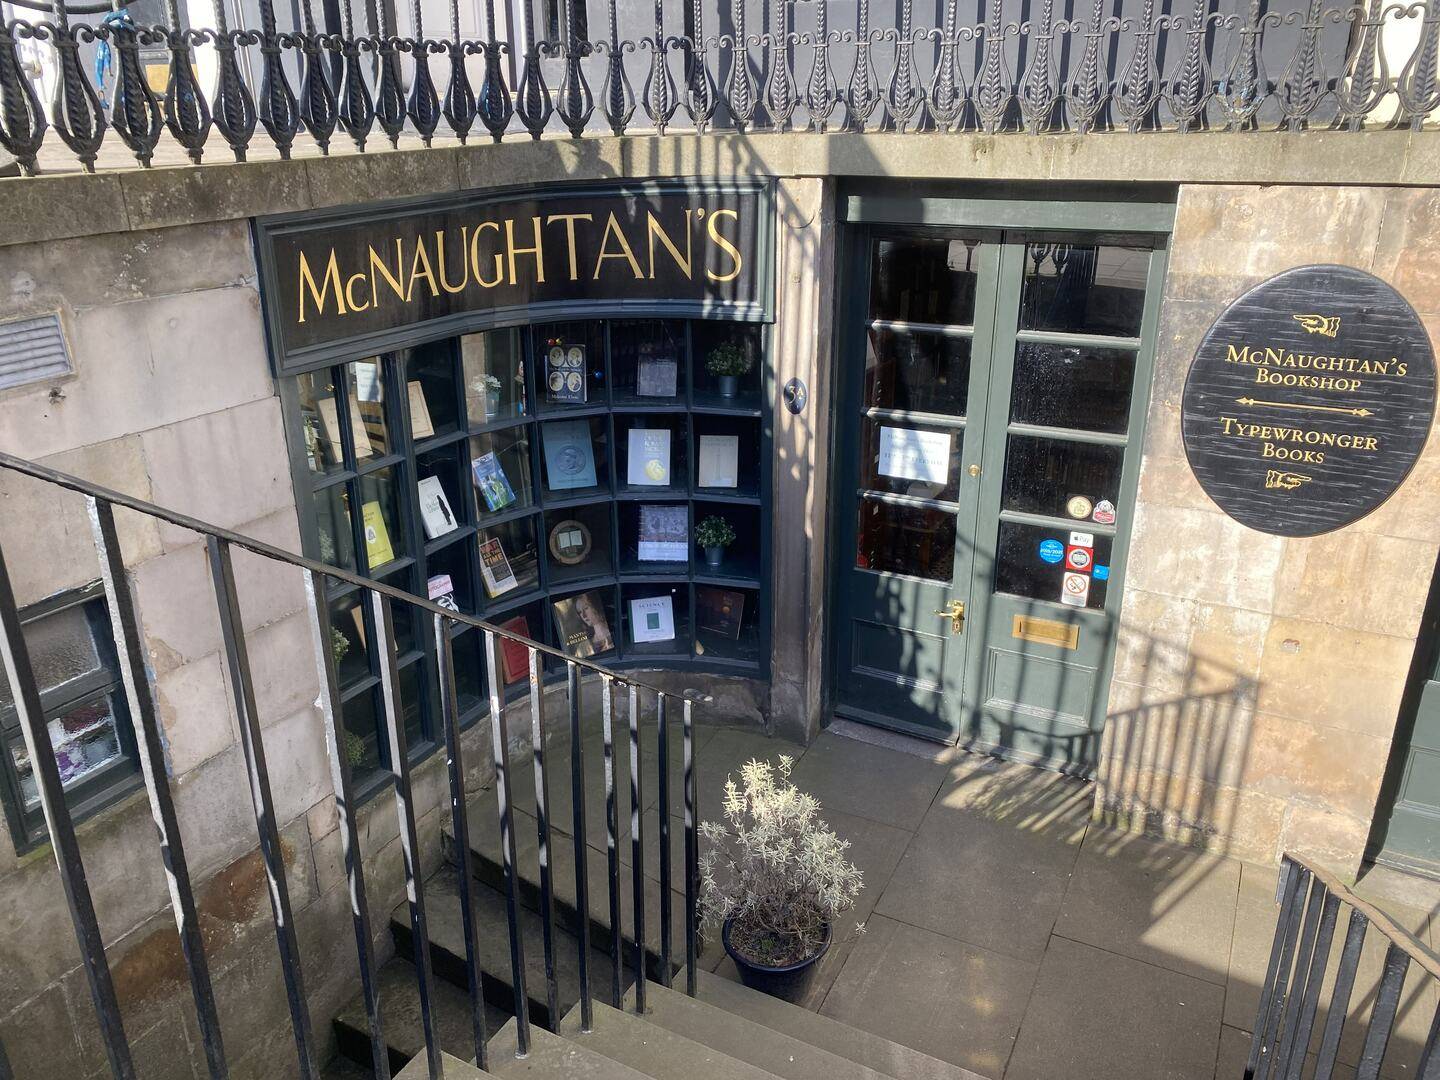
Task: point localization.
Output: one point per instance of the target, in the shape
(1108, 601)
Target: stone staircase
(726, 1032)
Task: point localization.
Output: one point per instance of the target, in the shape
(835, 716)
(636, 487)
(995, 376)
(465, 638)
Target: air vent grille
(32, 350)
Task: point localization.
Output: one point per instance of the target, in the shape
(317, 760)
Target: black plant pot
(787, 983)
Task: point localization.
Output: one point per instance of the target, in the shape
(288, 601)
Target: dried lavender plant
(774, 868)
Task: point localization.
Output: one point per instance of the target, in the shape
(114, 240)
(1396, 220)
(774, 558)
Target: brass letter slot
(1045, 632)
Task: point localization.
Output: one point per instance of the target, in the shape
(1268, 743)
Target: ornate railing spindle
(75, 110)
(234, 107)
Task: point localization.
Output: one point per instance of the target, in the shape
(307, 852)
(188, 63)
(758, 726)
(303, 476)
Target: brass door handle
(956, 614)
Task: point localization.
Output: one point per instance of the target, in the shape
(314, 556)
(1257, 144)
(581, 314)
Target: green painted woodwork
(895, 661)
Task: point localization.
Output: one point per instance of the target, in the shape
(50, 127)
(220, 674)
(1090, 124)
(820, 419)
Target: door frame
(1135, 210)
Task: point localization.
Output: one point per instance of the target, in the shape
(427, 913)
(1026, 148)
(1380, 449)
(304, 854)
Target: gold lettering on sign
(612, 228)
(464, 262)
(481, 279)
(420, 268)
(377, 265)
(712, 228)
(318, 293)
(657, 231)
(538, 251)
(569, 220)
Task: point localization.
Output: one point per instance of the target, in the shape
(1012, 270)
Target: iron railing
(129, 644)
(1018, 68)
(1310, 901)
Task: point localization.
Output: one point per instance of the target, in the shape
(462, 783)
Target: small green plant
(774, 868)
(354, 748)
(715, 531)
(728, 358)
(339, 644)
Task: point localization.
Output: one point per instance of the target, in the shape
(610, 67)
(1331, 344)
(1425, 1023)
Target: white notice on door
(908, 454)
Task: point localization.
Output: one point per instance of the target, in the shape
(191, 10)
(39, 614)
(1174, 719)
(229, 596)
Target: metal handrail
(1310, 899)
(16, 665)
(1132, 70)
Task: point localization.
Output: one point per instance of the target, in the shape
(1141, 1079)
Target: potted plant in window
(727, 362)
(714, 534)
(775, 877)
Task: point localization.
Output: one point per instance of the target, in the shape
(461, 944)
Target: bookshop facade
(548, 411)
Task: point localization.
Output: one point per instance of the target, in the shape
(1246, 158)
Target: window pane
(569, 365)
(910, 540)
(651, 452)
(911, 460)
(577, 542)
(575, 460)
(368, 410)
(466, 650)
(1022, 569)
(494, 367)
(318, 414)
(500, 471)
(509, 558)
(414, 687)
(723, 349)
(1072, 386)
(362, 734)
(1084, 289)
(929, 281)
(1043, 476)
(84, 740)
(430, 393)
(656, 620)
(347, 639)
(385, 539)
(917, 372)
(62, 647)
(647, 358)
(332, 520)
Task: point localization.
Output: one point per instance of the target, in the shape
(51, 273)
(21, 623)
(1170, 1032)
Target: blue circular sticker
(1051, 551)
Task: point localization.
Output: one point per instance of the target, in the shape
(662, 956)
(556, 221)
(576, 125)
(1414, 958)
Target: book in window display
(649, 464)
(569, 456)
(720, 611)
(378, 549)
(719, 464)
(435, 513)
(441, 590)
(657, 378)
(495, 568)
(421, 425)
(664, 534)
(491, 481)
(652, 619)
(565, 373)
(582, 626)
(515, 657)
(330, 420)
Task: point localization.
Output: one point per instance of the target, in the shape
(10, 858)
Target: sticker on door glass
(1078, 506)
(1104, 513)
(907, 454)
(1079, 539)
(1079, 559)
(1051, 551)
(1075, 589)
(1102, 573)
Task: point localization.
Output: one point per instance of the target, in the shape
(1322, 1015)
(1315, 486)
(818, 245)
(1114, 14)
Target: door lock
(956, 614)
(974, 470)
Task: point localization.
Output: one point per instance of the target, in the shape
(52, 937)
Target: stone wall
(172, 401)
(1258, 678)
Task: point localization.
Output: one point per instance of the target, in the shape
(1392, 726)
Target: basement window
(83, 699)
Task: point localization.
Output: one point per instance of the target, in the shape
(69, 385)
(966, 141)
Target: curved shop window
(555, 478)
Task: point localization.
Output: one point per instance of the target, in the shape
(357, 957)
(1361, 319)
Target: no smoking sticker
(1075, 590)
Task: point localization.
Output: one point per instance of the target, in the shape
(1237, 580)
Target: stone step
(488, 867)
(762, 1046)
(552, 1057)
(823, 1032)
(454, 1069)
(656, 1051)
(447, 949)
(400, 1019)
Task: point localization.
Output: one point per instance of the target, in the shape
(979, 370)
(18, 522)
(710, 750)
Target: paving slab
(946, 998)
(884, 785)
(1096, 1015)
(983, 881)
(1167, 905)
(1235, 1052)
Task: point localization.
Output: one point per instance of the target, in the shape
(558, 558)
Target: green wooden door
(1027, 526)
(1410, 838)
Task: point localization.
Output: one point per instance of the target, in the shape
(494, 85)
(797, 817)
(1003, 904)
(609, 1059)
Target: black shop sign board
(340, 283)
(1309, 400)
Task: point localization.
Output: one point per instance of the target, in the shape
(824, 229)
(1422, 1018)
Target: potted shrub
(714, 534)
(727, 362)
(775, 877)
